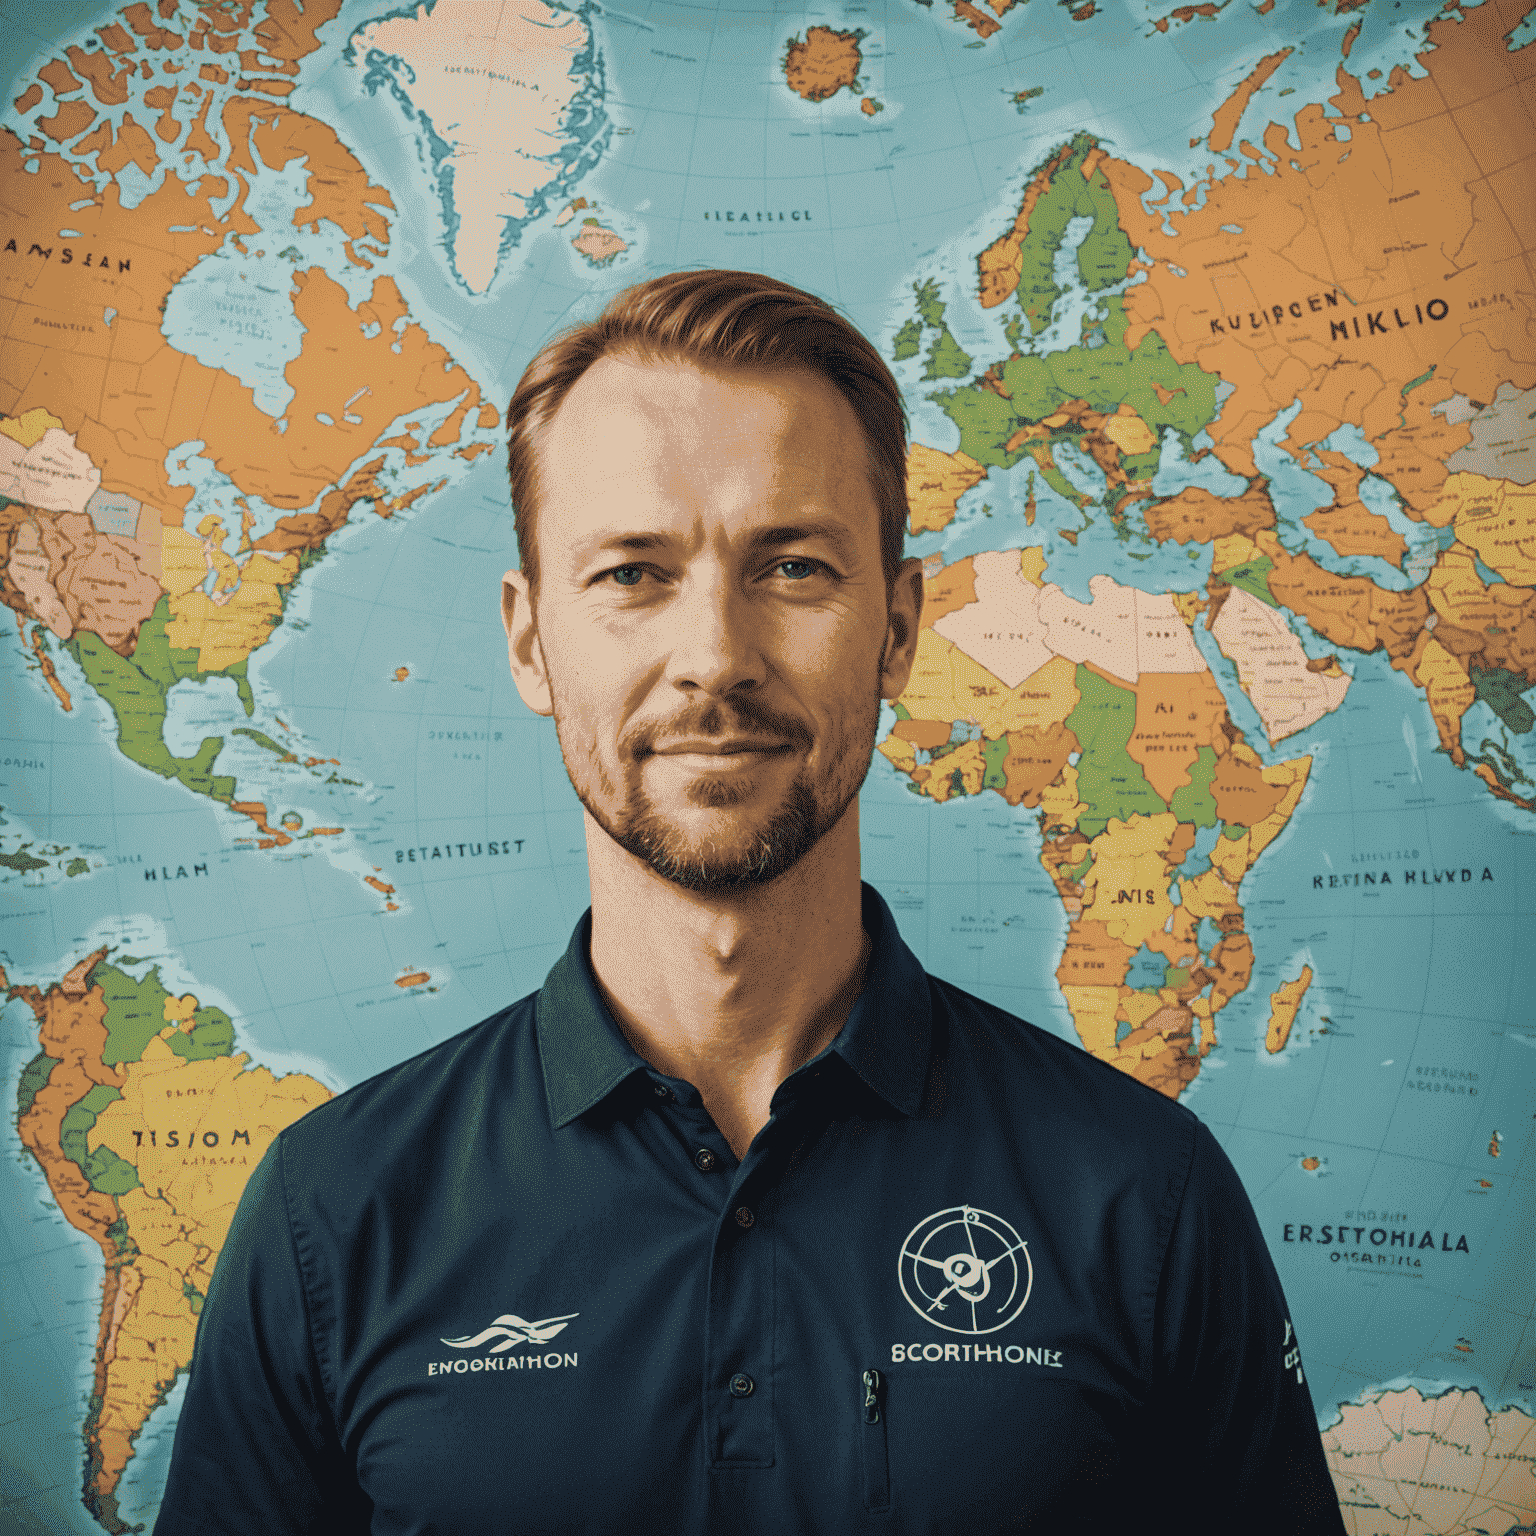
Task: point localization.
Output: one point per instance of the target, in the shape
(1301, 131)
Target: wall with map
(1217, 329)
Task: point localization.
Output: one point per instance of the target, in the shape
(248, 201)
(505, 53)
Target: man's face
(711, 630)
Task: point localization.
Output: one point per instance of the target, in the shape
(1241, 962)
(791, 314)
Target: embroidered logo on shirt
(965, 1270)
(512, 1331)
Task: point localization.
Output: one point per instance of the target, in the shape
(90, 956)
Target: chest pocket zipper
(876, 1448)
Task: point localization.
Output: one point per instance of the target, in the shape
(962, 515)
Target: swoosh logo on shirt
(513, 1330)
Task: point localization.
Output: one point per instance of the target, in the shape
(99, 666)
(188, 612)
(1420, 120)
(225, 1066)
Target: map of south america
(146, 1125)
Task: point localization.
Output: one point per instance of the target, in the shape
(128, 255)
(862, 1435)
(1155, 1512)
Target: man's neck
(730, 992)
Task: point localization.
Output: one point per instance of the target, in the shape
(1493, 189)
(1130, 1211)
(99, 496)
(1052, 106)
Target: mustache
(746, 716)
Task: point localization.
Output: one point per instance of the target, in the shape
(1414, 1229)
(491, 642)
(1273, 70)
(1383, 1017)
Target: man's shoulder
(1068, 1094)
(413, 1105)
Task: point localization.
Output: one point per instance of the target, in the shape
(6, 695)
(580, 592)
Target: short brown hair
(731, 319)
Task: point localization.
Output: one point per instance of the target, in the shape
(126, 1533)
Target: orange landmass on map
(361, 382)
(1034, 762)
(71, 1029)
(1197, 516)
(1208, 10)
(1346, 610)
(1093, 958)
(113, 389)
(47, 668)
(131, 147)
(1349, 525)
(1177, 713)
(950, 587)
(56, 73)
(976, 19)
(162, 99)
(413, 979)
(925, 735)
(340, 189)
(309, 530)
(1362, 262)
(1447, 1463)
(824, 64)
(1283, 1007)
(109, 85)
(1229, 113)
(1244, 797)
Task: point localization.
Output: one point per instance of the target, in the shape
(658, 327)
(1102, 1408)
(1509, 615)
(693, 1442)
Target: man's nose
(716, 644)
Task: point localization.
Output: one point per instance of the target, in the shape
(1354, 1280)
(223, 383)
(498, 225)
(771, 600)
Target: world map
(1217, 330)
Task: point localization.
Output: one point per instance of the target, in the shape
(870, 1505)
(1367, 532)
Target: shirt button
(663, 1092)
(741, 1385)
(745, 1218)
(705, 1160)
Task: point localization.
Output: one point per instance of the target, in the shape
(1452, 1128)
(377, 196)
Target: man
(742, 1223)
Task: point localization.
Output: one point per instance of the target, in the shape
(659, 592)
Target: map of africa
(1217, 330)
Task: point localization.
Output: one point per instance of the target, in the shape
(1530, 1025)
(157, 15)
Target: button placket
(739, 1332)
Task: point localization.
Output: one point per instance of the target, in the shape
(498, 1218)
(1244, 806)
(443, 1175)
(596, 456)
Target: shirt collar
(886, 1039)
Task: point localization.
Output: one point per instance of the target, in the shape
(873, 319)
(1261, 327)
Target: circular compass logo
(965, 1270)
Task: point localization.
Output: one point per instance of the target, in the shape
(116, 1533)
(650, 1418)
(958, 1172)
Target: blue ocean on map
(432, 860)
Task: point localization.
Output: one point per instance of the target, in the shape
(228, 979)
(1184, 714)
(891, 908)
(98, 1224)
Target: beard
(753, 849)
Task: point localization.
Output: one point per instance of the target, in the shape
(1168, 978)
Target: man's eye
(628, 575)
(797, 570)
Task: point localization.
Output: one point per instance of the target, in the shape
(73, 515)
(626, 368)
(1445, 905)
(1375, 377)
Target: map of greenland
(508, 91)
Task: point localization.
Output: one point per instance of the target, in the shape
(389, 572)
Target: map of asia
(1217, 329)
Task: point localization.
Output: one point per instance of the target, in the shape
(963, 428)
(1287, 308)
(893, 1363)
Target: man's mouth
(739, 751)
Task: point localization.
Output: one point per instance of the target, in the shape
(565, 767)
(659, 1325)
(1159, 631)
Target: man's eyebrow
(833, 533)
(636, 542)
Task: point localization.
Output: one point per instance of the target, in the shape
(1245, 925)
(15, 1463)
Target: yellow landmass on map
(1497, 518)
(947, 685)
(1127, 888)
(1283, 1006)
(1450, 693)
(225, 632)
(29, 427)
(1449, 1465)
(1128, 432)
(935, 483)
(193, 1130)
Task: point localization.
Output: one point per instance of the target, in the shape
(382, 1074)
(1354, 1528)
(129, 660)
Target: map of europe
(1216, 326)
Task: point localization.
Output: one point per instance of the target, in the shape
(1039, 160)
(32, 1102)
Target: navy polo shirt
(966, 1279)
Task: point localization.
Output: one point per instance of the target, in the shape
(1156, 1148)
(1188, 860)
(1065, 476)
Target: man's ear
(523, 649)
(906, 611)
